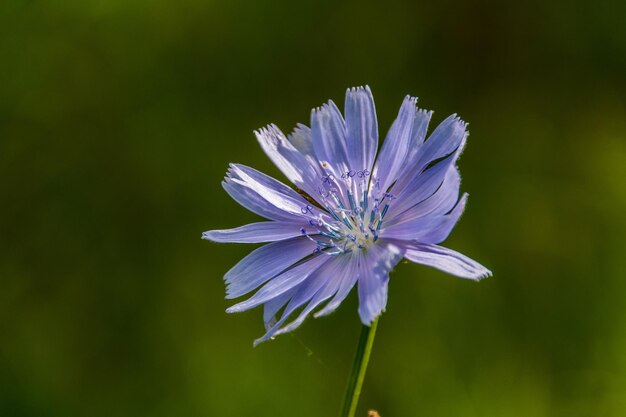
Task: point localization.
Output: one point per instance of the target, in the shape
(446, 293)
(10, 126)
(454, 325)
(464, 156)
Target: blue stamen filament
(364, 203)
(352, 203)
(382, 215)
(344, 228)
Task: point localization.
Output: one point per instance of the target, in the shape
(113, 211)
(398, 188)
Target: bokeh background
(118, 119)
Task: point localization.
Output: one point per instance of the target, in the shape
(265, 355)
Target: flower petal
(281, 283)
(418, 134)
(252, 201)
(264, 263)
(317, 288)
(422, 187)
(445, 139)
(293, 163)
(345, 283)
(374, 269)
(328, 133)
(391, 158)
(259, 232)
(300, 138)
(429, 229)
(439, 203)
(446, 260)
(276, 194)
(333, 285)
(361, 128)
(273, 306)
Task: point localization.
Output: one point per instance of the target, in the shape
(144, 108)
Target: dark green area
(117, 122)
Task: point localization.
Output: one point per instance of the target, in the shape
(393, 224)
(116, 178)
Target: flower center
(354, 212)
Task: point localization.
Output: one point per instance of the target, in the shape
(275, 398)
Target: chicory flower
(354, 214)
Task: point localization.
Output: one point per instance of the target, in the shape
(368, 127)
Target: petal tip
(358, 89)
(367, 321)
(260, 340)
(485, 274)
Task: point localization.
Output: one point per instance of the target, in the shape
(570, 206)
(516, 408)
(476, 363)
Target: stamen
(382, 215)
(352, 202)
(374, 233)
(344, 228)
(332, 213)
(364, 202)
(330, 235)
(345, 221)
(317, 224)
(304, 232)
(337, 200)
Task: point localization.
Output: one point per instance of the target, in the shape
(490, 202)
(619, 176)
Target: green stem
(361, 359)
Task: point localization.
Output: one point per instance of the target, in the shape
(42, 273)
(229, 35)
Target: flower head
(354, 214)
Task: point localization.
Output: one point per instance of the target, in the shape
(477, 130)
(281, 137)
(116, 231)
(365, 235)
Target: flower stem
(361, 359)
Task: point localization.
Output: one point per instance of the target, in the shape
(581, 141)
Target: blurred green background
(117, 122)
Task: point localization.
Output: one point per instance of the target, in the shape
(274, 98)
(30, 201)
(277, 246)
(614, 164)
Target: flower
(353, 217)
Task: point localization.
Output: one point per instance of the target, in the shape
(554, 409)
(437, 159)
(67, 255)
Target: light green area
(118, 120)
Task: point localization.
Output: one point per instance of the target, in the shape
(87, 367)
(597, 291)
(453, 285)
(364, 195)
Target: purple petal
(345, 282)
(444, 140)
(333, 285)
(318, 287)
(361, 128)
(264, 263)
(374, 269)
(439, 203)
(391, 159)
(252, 201)
(259, 232)
(422, 187)
(328, 133)
(446, 260)
(292, 162)
(273, 306)
(418, 133)
(300, 138)
(282, 283)
(429, 229)
(276, 194)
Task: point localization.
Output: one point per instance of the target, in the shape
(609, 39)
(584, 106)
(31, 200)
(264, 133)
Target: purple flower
(353, 217)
